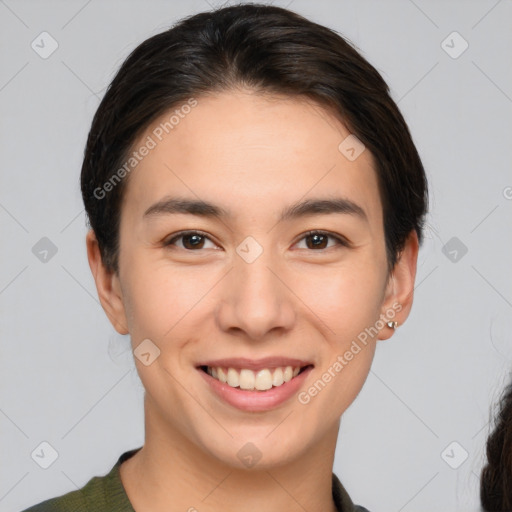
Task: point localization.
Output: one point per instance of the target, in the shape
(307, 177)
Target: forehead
(247, 151)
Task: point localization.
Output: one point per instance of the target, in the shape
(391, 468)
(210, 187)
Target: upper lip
(255, 364)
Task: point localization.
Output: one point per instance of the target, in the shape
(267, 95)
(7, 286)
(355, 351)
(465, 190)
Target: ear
(107, 285)
(400, 287)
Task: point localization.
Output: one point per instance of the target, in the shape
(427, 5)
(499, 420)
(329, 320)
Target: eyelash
(340, 240)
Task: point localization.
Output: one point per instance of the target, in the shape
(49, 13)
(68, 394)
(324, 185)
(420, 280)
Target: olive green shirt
(107, 494)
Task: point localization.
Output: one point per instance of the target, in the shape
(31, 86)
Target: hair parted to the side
(270, 50)
(496, 478)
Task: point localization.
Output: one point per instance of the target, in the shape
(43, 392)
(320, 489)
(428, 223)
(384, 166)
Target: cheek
(160, 296)
(346, 299)
(345, 384)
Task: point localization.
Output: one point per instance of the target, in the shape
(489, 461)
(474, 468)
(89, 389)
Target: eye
(318, 239)
(191, 240)
(195, 240)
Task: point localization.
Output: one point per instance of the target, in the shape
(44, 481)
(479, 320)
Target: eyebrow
(320, 206)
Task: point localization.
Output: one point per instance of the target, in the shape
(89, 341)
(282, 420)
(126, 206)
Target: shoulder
(99, 493)
(91, 496)
(73, 501)
(341, 498)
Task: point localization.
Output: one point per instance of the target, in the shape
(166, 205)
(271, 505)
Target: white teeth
(249, 380)
(263, 380)
(221, 375)
(233, 378)
(277, 379)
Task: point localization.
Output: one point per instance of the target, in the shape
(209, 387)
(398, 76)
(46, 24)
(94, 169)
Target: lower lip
(256, 401)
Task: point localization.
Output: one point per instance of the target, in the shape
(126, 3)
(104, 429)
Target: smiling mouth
(249, 380)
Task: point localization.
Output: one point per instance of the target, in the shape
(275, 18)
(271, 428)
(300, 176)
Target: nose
(256, 299)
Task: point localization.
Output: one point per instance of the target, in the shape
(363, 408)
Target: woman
(496, 480)
(256, 205)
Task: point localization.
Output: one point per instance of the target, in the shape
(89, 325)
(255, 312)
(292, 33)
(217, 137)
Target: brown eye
(191, 240)
(318, 240)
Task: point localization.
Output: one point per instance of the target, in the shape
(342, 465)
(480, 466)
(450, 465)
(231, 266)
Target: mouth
(262, 379)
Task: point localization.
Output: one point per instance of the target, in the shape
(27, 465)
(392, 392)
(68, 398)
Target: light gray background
(68, 378)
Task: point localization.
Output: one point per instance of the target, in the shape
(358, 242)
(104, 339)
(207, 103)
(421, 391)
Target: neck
(172, 473)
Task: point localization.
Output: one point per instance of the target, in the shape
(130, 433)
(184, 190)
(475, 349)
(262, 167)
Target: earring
(392, 325)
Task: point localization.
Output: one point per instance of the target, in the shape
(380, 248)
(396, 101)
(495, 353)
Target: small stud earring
(392, 325)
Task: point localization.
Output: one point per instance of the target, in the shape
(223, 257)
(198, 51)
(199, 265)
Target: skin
(253, 154)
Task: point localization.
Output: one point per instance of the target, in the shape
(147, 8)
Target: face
(260, 279)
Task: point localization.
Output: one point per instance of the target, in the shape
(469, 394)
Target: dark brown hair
(271, 50)
(496, 480)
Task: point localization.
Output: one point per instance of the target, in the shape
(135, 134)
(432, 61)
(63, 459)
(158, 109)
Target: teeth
(249, 380)
(263, 380)
(221, 374)
(233, 378)
(277, 378)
